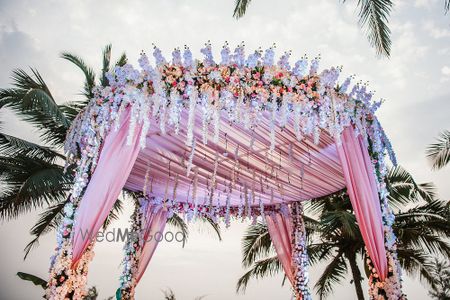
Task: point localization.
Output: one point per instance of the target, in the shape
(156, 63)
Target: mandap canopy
(243, 138)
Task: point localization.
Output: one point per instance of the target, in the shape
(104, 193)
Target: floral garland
(299, 254)
(218, 213)
(243, 87)
(391, 288)
(132, 251)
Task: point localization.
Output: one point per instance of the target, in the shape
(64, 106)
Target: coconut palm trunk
(356, 274)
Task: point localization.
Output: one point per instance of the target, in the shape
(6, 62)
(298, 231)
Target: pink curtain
(363, 192)
(280, 230)
(113, 167)
(155, 221)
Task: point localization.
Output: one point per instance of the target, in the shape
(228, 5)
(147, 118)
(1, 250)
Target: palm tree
(33, 174)
(422, 230)
(373, 18)
(440, 290)
(439, 152)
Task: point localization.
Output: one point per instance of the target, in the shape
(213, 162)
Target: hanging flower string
(217, 213)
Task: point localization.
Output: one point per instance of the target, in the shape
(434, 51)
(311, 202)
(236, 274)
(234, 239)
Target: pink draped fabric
(114, 165)
(153, 233)
(280, 229)
(363, 192)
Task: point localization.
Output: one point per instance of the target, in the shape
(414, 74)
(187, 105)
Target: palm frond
(256, 243)
(373, 16)
(89, 74)
(446, 6)
(403, 189)
(11, 146)
(241, 8)
(416, 263)
(215, 226)
(333, 273)
(72, 109)
(33, 278)
(48, 220)
(320, 251)
(122, 60)
(106, 64)
(439, 152)
(169, 295)
(114, 214)
(30, 183)
(177, 222)
(260, 269)
(31, 100)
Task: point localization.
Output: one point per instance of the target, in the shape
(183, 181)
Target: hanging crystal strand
(247, 202)
(241, 205)
(175, 186)
(194, 192)
(253, 186)
(191, 158)
(146, 178)
(227, 211)
(214, 180)
(261, 209)
(252, 140)
(299, 254)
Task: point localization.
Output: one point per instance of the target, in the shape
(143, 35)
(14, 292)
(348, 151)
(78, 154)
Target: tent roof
(294, 170)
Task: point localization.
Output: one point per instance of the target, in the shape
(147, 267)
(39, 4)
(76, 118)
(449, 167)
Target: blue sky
(415, 81)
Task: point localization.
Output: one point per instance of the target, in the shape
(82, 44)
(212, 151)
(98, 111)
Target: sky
(415, 81)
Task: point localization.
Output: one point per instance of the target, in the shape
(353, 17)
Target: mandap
(245, 138)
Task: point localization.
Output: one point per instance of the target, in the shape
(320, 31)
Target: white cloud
(445, 70)
(436, 31)
(424, 3)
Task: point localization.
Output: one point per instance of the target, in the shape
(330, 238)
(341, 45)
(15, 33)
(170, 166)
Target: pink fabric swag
(155, 222)
(363, 192)
(113, 167)
(280, 230)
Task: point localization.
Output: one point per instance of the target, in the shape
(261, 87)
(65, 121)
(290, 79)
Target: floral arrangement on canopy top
(246, 90)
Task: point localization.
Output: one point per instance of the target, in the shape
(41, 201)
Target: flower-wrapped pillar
(391, 287)
(147, 228)
(299, 253)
